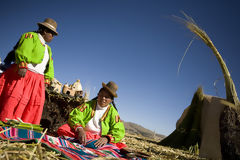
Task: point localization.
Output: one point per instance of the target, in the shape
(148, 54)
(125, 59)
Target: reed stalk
(39, 141)
(21, 125)
(5, 130)
(231, 94)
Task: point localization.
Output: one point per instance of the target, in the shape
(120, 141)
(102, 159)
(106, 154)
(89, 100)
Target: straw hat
(50, 24)
(111, 87)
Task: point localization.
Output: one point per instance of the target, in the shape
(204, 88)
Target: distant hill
(133, 128)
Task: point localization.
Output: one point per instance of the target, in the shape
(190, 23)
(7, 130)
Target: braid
(114, 105)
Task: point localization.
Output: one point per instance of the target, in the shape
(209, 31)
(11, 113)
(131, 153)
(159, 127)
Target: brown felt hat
(50, 24)
(111, 87)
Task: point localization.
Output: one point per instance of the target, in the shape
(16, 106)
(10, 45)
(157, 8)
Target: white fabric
(0, 65)
(40, 68)
(94, 125)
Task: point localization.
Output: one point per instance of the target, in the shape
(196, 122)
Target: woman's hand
(22, 72)
(101, 142)
(81, 136)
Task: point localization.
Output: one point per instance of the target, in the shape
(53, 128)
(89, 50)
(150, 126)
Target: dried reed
(231, 94)
(39, 141)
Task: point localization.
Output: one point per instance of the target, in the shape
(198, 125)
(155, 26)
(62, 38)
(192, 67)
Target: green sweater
(111, 125)
(31, 50)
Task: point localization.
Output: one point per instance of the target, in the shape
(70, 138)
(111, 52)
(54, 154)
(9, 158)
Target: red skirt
(65, 130)
(21, 97)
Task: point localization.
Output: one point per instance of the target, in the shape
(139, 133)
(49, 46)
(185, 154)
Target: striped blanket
(68, 148)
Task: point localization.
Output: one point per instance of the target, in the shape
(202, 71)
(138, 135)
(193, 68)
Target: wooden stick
(5, 130)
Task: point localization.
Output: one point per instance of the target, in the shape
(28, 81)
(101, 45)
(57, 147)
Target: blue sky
(138, 45)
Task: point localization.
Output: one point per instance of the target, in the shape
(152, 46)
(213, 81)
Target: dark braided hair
(114, 105)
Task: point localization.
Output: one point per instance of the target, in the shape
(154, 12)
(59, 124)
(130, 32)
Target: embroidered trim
(28, 35)
(80, 106)
(46, 81)
(117, 118)
(105, 114)
(83, 108)
(76, 126)
(22, 65)
(94, 109)
(42, 44)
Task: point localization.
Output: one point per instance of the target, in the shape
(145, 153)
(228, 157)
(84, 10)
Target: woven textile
(69, 148)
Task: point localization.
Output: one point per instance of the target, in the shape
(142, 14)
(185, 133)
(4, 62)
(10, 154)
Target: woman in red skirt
(22, 86)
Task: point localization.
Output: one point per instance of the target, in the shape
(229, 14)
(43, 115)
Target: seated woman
(96, 119)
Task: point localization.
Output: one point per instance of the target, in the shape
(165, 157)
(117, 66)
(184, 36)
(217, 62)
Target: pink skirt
(21, 97)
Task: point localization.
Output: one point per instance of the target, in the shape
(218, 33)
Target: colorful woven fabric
(69, 149)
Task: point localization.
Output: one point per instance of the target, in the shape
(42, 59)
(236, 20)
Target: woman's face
(104, 98)
(48, 36)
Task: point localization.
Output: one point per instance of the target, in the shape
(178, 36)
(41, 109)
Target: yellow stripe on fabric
(117, 118)
(42, 44)
(22, 65)
(105, 114)
(47, 81)
(94, 109)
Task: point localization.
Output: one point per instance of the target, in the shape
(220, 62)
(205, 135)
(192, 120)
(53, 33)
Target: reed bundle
(21, 125)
